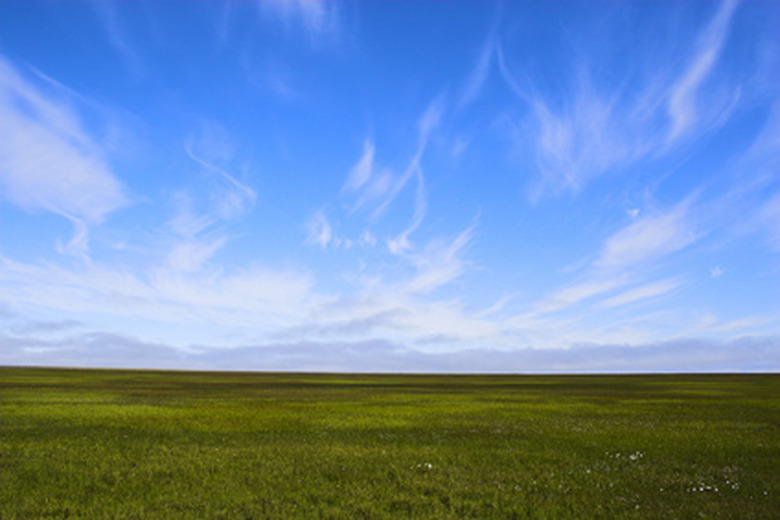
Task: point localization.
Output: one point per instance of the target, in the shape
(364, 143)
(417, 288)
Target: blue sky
(391, 186)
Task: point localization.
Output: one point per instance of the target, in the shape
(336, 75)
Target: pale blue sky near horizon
(415, 186)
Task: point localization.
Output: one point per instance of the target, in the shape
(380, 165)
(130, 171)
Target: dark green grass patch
(143, 444)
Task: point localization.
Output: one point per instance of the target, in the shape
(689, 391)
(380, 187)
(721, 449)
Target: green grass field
(141, 444)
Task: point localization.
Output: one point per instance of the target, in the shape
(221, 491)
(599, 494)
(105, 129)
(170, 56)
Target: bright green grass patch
(142, 444)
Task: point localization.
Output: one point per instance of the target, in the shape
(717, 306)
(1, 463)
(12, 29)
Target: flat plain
(154, 444)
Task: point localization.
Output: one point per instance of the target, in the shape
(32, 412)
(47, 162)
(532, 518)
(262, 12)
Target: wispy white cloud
(367, 238)
(649, 238)
(440, 263)
(49, 161)
(190, 256)
(195, 238)
(78, 245)
(593, 126)
(232, 198)
(575, 146)
(174, 290)
(111, 20)
(320, 232)
(571, 142)
(361, 173)
(321, 20)
(393, 311)
(682, 100)
(644, 292)
(376, 189)
(186, 222)
(178, 282)
(716, 272)
(497, 307)
(627, 257)
(426, 124)
(400, 243)
(749, 325)
(479, 74)
(574, 294)
(368, 183)
(257, 297)
(430, 119)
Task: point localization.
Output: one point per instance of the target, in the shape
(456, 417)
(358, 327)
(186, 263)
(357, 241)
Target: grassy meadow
(148, 444)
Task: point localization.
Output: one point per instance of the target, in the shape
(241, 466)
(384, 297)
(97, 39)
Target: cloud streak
(320, 231)
(320, 20)
(234, 198)
(682, 100)
(49, 161)
(479, 74)
(379, 188)
(117, 36)
(649, 238)
(601, 126)
(440, 263)
(196, 239)
(644, 292)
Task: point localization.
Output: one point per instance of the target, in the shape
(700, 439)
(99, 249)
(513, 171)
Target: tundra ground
(148, 444)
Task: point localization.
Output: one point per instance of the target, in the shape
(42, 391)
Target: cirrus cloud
(49, 161)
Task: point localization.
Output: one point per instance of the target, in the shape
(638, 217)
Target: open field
(130, 444)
